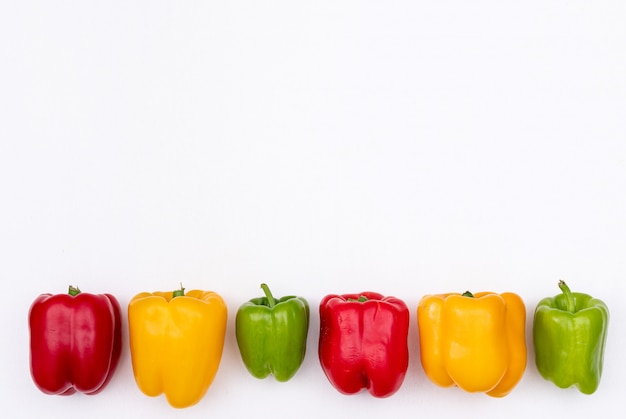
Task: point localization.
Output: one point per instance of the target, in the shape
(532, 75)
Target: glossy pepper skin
(474, 342)
(176, 343)
(569, 334)
(271, 334)
(363, 342)
(75, 341)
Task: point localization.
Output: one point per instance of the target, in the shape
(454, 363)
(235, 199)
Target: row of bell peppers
(473, 341)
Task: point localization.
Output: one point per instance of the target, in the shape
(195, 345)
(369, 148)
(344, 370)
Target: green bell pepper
(569, 332)
(271, 334)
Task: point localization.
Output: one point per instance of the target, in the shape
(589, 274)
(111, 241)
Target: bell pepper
(569, 334)
(75, 341)
(176, 343)
(476, 342)
(271, 334)
(363, 342)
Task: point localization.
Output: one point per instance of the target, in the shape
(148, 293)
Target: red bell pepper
(75, 341)
(363, 342)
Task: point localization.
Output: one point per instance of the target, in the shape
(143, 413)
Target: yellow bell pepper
(176, 343)
(476, 342)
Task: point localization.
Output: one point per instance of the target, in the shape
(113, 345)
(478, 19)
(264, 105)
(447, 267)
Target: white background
(405, 147)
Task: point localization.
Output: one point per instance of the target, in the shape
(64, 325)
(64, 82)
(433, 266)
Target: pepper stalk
(570, 302)
(179, 292)
(268, 294)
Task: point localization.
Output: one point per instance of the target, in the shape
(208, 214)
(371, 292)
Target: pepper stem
(74, 291)
(569, 297)
(468, 294)
(361, 299)
(268, 294)
(179, 292)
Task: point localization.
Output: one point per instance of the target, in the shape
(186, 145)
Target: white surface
(404, 147)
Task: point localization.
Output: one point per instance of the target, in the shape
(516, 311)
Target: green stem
(468, 294)
(268, 294)
(179, 292)
(361, 299)
(74, 291)
(569, 297)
